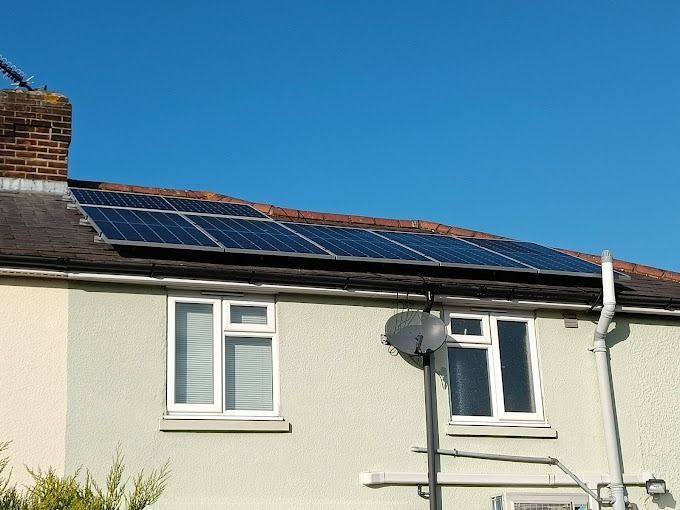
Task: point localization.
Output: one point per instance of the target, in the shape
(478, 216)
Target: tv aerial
(416, 333)
(15, 75)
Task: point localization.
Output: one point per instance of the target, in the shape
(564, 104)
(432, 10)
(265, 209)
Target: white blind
(194, 353)
(248, 381)
(244, 314)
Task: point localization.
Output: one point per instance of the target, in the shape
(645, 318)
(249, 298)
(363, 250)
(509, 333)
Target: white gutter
(250, 288)
(391, 478)
(599, 348)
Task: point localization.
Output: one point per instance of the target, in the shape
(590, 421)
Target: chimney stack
(35, 134)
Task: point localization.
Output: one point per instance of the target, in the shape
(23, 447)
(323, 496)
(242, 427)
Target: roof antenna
(14, 74)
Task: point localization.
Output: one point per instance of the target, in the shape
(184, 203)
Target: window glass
(248, 378)
(243, 314)
(462, 326)
(469, 380)
(194, 353)
(518, 391)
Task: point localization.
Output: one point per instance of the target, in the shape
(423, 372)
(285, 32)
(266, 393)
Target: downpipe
(616, 487)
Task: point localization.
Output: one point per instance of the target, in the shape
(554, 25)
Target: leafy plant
(50, 491)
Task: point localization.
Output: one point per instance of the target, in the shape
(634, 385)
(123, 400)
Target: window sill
(500, 431)
(207, 425)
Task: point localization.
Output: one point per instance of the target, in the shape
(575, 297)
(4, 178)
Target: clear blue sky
(557, 122)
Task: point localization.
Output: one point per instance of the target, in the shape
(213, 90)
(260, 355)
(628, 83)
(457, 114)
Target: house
(262, 376)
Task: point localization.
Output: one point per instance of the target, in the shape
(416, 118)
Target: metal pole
(429, 419)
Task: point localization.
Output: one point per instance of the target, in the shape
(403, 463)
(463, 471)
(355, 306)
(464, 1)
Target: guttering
(392, 478)
(599, 348)
(233, 286)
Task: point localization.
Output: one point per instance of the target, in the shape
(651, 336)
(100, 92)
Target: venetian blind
(248, 381)
(194, 353)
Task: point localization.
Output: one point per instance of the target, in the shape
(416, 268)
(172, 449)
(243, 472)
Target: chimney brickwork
(35, 134)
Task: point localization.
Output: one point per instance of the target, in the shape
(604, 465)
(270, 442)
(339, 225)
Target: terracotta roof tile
(350, 220)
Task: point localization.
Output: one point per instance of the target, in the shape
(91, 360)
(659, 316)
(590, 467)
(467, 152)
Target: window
(493, 369)
(222, 358)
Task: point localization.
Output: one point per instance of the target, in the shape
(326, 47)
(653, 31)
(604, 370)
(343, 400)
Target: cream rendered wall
(33, 331)
(353, 407)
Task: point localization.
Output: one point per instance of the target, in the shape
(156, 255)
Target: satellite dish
(415, 332)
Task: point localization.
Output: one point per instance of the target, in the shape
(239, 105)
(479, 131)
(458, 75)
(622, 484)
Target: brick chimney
(35, 134)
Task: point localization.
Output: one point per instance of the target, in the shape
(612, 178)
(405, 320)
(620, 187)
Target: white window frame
(485, 338)
(217, 353)
(489, 342)
(275, 377)
(259, 301)
(223, 328)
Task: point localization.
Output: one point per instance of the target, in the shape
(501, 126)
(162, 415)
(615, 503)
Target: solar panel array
(185, 223)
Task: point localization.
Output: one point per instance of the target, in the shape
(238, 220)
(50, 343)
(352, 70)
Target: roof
(38, 230)
(284, 213)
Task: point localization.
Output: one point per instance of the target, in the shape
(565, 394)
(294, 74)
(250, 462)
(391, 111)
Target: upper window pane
(246, 314)
(248, 381)
(469, 382)
(518, 389)
(462, 326)
(194, 353)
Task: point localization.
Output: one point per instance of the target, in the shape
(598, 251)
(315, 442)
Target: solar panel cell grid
(211, 207)
(354, 242)
(152, 227)
(244, 234)
(450, 250)
(539, 256)
(159, 203)
(115, 199)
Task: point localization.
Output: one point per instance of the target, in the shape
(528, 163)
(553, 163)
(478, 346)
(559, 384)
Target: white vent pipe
(606, 400)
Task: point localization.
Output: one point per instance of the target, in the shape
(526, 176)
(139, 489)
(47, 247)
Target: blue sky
(556, 122)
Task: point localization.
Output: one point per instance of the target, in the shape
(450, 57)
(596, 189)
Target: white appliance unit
(537, 501)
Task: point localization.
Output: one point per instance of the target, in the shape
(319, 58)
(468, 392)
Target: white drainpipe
(600, 349)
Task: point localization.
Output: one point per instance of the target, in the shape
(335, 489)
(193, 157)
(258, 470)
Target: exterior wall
(353, 407)
(33, 334)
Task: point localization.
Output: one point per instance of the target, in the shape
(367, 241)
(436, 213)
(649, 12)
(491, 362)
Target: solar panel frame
(513, 265)
(595, 269)
(214, 208)
(223, 237)
(119, 199)
(150, 202)
(417, 258)
(91, 212)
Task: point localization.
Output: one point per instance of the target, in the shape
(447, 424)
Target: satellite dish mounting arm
(429, 295)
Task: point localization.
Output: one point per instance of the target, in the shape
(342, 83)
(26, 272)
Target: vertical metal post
(429, 419)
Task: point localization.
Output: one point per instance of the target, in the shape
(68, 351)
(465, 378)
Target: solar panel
(117, 199)
(540, 257)
(191, 205)
(451, 250)
(154, 220)
(255, 235)
(356, 243)
(126, 226)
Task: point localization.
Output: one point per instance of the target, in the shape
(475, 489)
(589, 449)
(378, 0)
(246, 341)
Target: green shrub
(50, 491)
